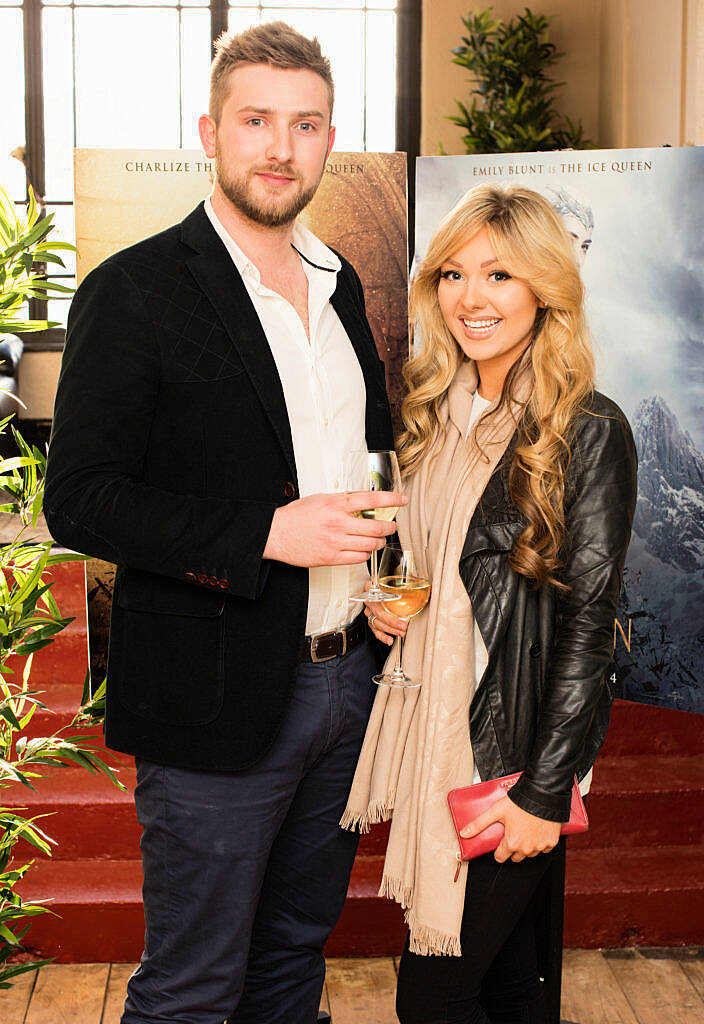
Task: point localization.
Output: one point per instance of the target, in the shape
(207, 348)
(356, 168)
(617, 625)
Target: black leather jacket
(543, 704)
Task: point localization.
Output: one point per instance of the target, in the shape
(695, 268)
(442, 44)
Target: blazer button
(223, 584)
(535, 649)
(289, 489)
(202, 578)
(191, 577)
(213, 581)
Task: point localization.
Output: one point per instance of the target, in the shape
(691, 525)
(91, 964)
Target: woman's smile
(480, 328)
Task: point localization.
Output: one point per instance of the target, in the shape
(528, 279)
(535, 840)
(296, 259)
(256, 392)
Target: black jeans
(495, 981)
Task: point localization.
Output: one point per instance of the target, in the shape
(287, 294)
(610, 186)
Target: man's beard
(269, 213)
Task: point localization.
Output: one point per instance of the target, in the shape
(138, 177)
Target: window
(134, 74)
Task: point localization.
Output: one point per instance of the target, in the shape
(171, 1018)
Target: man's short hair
(274, 43)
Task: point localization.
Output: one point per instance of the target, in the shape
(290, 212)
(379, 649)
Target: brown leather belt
(324, 646)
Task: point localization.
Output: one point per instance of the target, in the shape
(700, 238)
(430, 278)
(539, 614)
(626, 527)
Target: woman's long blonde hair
(530, 242)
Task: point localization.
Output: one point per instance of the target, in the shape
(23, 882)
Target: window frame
(408, 36)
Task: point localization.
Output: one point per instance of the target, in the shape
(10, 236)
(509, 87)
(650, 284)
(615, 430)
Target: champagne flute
(409, 595)
(374, 471)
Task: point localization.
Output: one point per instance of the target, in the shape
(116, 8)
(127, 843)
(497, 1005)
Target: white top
(481, 657)
(325, 398)
(479, 404)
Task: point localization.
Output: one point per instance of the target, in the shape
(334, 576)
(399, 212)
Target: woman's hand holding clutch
(525, 834)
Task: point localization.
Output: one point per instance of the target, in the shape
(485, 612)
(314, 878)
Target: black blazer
(170, 451)
(543, 704)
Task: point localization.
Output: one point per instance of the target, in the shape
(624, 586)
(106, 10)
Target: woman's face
(581, 237)
(489, 313)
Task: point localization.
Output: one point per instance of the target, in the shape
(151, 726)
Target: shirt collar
(315, 253)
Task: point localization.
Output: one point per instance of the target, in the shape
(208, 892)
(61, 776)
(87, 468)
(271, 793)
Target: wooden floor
(610, 987)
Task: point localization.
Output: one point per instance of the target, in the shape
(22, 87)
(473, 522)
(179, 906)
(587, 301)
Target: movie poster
(637, 221)
(123, 196)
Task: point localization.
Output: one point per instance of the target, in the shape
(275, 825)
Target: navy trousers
(245, 874)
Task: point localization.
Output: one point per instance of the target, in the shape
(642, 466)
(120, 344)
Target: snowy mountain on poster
(663, 589)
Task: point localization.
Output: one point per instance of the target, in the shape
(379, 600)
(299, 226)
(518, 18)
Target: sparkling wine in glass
(410, 593)
(374, 471)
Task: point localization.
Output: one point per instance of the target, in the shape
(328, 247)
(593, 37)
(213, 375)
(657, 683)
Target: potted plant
(29, 616)
(513, 106)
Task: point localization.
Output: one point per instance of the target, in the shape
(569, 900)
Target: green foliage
(24, 253)
(514, 111)
(29, 617)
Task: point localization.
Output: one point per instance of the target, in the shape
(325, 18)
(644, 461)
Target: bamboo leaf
(17, 969)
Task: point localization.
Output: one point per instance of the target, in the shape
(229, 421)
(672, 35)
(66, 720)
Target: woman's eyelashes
(498, 276)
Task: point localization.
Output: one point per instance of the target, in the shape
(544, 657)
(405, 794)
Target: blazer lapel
(215, 273)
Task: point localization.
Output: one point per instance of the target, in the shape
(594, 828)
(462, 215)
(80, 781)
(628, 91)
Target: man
(214, 379)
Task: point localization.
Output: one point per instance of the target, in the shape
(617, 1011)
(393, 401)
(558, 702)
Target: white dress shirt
(325, 398)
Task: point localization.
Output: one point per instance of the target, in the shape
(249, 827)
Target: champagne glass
(374, 471)
(409, 593)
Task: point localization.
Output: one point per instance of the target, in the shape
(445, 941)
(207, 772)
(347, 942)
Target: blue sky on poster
(644, 273)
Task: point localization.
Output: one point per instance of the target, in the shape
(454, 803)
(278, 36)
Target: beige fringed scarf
(417, 745)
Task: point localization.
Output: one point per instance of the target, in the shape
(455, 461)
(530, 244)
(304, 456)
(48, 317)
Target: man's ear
(207, 130)
(331, 140)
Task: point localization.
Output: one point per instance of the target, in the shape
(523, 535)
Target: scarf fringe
(395, 889)
(380, 811)
(423, 940)
(426, 941)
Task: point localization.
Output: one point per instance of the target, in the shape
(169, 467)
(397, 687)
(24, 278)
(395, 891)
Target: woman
(521, 482)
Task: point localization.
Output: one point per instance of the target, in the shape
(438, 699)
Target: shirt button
(289, 489)
(535, 649)
(202, 578)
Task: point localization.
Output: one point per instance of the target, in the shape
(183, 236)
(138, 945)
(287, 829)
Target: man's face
(272, 141)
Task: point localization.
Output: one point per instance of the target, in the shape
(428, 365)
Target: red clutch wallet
(468, 803)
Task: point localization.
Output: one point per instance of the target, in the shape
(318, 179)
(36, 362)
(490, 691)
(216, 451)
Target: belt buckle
(314, 640)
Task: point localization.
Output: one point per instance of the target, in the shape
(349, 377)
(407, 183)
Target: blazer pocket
(167, 652)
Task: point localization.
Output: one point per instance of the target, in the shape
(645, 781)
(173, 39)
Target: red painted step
(100, 916)
(645, 802)
(638, 897)
(614, 898)
(66, 659)
(86, 815)
(62, 701)
(99, 910)
(651, 731)
(91, 818)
